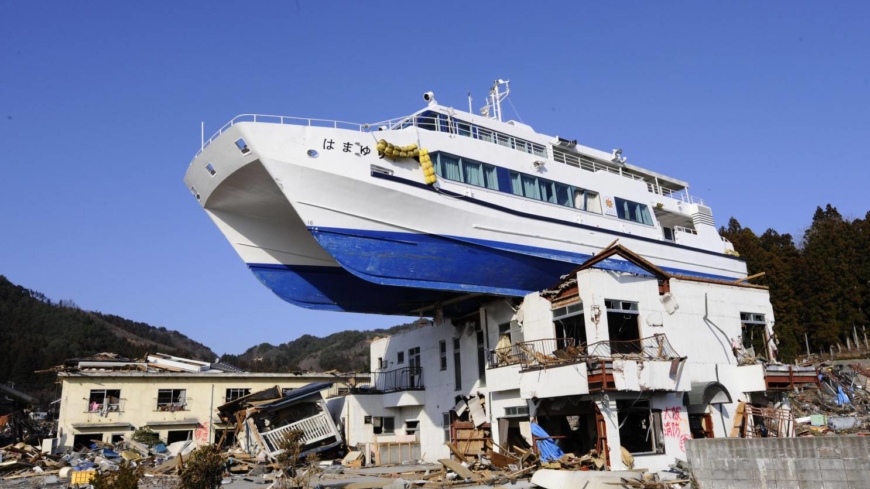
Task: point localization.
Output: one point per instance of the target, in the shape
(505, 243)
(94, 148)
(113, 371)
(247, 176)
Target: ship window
(473, 172)
(564, 195)
(426, 120)
(464, 128)
(521, 145)
(530, 187)
(243, 146)
(548, 191)
(503, 140)
(450, 168)
(210, 169)
(485, 135)
(633, 211)
(539, 150)
(586, 200)
(491, 176)
(466, 171)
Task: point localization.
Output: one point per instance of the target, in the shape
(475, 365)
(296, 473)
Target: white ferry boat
(329, 217)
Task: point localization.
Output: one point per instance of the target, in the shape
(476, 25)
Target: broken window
(233, 394)
(442, 349)
(172, 399)
(445, 424)
(570, 324)
(86, 440)
(701, 425)
(754, 331)
(383, 425)
(179, 435)
(622, 320)
(516, 411)
(481, 358)
(104, 400)
(411, 426)
(457, 365)
(640, 427)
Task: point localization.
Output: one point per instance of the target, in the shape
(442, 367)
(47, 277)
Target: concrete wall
(829, 462)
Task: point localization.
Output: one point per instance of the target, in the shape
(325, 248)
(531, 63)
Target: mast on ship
(495, 98)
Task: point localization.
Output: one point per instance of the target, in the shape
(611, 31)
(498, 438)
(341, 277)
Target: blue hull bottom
(335, 289)
(457, 264)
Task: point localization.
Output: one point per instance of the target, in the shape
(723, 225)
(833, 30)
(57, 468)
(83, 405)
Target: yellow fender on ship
(394, 152)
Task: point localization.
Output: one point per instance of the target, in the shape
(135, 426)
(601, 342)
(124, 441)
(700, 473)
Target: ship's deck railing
(463, 129)
(284, 119)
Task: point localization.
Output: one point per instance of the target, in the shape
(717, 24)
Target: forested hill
(819, 285)
(36, 333)
(346, 351)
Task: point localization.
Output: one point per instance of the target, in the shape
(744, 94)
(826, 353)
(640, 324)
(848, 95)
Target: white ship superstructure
(325, 221)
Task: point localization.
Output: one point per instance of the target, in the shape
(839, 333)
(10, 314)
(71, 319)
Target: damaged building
(624, 365)
(107, 397)
(263, 419)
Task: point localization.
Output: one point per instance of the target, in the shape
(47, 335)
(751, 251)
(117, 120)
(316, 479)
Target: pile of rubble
(840, 406)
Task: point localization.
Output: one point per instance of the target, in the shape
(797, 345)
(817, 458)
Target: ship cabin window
(668, 234)
(466, 171)
(633, 211)
(243, 146)
(587, 200)
(211, 170)
(546, 190)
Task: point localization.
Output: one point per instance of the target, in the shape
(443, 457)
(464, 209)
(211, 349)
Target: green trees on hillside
(820, 286)
(37, 334)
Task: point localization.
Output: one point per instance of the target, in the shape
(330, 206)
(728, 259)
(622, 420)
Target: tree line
(819, 285)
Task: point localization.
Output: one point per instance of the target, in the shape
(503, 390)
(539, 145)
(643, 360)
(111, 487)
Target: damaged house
(625, 366)
(264, 418)
(107, 397)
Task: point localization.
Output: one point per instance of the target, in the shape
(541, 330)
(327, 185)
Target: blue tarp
(842, 398)
(547, 448)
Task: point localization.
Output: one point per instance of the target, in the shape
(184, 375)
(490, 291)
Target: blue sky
(764, 107)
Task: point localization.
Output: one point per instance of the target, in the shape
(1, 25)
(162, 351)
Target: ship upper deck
(513, 134)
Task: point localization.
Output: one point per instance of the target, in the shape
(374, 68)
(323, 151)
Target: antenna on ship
(496, 97)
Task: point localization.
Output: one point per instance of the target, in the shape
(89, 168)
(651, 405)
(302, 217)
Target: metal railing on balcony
(401, 379)
(563, 351)
(313, 429)
(656, 347)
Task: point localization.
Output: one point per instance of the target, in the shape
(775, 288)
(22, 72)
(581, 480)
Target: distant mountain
(36, 334)
(345, 351)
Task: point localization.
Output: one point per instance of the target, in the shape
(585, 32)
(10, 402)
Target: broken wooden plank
(461, 470)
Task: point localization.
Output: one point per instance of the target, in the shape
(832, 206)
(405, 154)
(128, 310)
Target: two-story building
(639, 359)
(106, 398)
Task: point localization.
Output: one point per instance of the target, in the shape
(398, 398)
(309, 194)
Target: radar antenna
(495, 98)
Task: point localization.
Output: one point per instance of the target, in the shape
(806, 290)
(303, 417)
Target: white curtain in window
(491, 177)
(473, 172)
(451, 168)
(530, 187)
(516, 184)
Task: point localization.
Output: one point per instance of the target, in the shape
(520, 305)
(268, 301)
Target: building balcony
(400, 379)
(558, 367)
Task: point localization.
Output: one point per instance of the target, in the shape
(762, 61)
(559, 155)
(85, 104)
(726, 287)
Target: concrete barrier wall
(828, 462)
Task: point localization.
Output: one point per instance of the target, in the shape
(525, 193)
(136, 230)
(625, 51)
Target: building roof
(633, 263)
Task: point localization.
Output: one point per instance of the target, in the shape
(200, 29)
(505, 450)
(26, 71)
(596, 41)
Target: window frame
(619, 202)
(400, 358)
(176, 396)
(484, 170)
(442, 350)
(232, 393)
